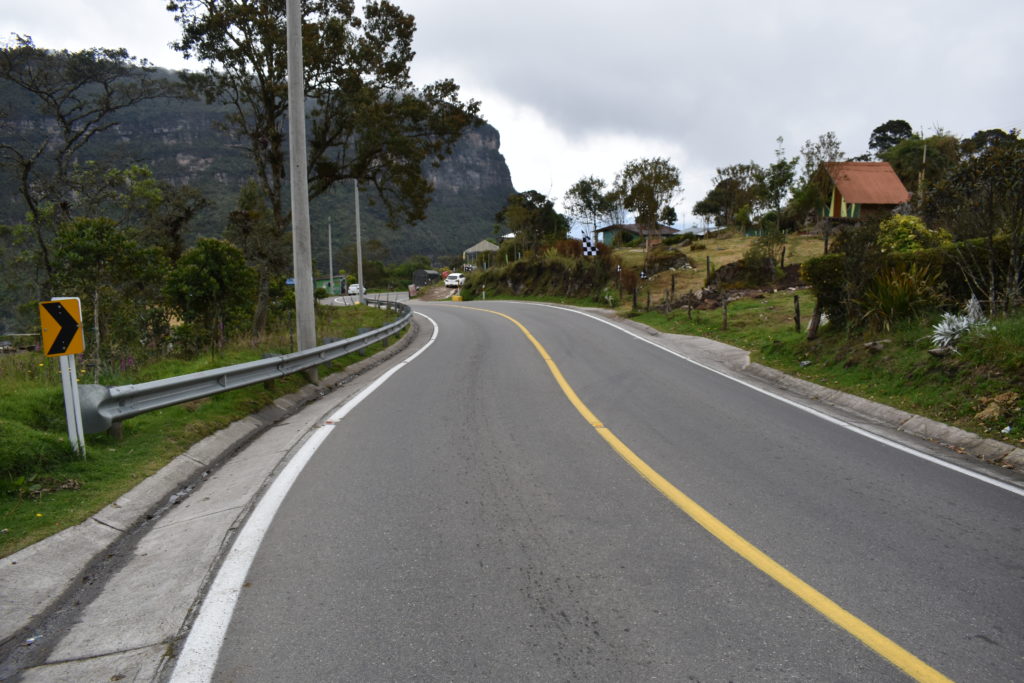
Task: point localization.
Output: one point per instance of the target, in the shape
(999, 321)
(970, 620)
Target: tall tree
(251, 228)
(367, 120)
(815, 153)
(212, 288)
(773, 182)
(532, 217)
(985, 139)
(984, 198)
(649, 188)
(169, 223)
(812, 190)
(80, 94)
(118, 280)
(888, 135)
(588, 201)
(732, 191)
(920, 163)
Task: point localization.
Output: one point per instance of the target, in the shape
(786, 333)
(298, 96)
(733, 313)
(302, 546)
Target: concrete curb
(35, 579)
(988, 450)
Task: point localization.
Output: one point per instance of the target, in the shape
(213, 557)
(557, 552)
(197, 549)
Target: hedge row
(838, 280)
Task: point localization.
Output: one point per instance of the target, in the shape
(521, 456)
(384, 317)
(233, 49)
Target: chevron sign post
(61, 323)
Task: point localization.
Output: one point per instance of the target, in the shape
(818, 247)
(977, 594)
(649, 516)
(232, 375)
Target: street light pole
(330, 255)
(359, 247)
(302, 255)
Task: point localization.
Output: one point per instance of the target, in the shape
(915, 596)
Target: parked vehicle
(354, 289)
(455, 280)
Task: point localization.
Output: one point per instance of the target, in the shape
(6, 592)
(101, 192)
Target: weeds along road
(642, 518)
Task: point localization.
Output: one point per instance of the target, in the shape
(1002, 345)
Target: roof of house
(641, 229)
(482, 245)
(867, 182)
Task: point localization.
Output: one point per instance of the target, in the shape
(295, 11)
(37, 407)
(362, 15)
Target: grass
(954, 389)
(67, 492)
(720, 250)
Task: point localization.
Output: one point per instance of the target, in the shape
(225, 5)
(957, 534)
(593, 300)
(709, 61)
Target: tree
(80, 93)
(983, 198)
(813, 190)
(251, 228)
(772, 187)
(169, 222)
(773, 183)
(533, 219)
(649, 188)
(920, 163)
(118, 280)
(816, 153)
(588, 201)
(367, 120)
(984, 139)
(733, 189)
(888, 135)
(212, 288)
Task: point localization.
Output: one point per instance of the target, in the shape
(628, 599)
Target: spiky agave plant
(948, 332)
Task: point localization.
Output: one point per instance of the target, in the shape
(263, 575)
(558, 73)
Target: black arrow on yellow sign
(67, 340)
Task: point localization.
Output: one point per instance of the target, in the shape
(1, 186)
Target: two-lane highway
(538, 495)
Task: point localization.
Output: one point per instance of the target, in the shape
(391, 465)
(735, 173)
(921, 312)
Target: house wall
(838, 208)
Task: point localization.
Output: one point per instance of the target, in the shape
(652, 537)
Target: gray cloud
(709, 82)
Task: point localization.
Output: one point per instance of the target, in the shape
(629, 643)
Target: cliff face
(476, 165)
(183, 143)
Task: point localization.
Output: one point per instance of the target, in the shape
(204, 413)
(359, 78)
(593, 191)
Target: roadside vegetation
(45, 487)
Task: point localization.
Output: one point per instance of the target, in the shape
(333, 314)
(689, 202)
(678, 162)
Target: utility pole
(330, 255)
(359, 247)
(305, 322)
(920, 178)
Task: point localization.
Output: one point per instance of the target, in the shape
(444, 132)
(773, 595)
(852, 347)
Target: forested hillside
(179, 139)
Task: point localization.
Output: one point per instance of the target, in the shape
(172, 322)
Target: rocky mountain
(180, 140)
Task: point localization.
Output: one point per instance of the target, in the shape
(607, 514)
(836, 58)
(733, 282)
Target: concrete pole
(359, 246)
(330, 255)
(305, 322)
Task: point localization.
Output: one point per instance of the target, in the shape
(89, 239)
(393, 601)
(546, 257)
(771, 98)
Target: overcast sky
(579, 88)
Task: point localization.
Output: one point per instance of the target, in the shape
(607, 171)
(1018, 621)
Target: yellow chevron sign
(61, 321)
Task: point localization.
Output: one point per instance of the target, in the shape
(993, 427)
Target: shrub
(908, 233)
(826, 277)
(671, 240)
(895, 295)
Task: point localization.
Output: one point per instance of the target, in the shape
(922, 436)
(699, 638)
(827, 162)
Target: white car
(455, 280)
(354, 288)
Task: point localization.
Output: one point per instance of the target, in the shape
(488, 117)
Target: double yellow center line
(885, 647)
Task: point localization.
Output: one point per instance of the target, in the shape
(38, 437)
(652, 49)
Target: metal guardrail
(102, 406)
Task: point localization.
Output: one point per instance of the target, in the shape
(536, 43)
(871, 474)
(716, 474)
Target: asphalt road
(465, 522)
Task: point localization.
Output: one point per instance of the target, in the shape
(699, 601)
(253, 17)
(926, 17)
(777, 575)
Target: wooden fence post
(796, 311)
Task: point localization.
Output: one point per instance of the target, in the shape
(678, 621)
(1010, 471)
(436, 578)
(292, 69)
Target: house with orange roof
(863, 189)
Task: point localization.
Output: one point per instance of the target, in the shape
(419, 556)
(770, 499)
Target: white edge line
(807, 409)
(198, 657)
